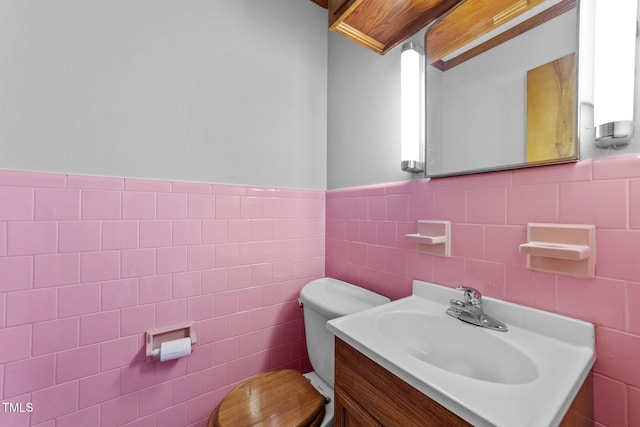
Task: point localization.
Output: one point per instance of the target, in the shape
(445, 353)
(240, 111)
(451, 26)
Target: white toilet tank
(325, 299)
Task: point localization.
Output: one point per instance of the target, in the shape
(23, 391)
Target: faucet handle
(471, 296)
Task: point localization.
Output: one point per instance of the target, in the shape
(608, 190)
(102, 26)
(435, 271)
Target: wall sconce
(614, 71)
(412, 108)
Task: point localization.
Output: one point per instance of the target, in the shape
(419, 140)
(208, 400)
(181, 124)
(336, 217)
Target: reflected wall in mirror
(502, 86)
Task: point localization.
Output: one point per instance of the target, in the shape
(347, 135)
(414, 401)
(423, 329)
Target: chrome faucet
(470, 310)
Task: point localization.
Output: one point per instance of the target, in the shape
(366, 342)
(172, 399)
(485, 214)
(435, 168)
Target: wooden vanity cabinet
(368, 395)
(381, 25)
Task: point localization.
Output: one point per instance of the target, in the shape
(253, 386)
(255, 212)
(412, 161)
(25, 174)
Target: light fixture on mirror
(614, 71)
(411, 108)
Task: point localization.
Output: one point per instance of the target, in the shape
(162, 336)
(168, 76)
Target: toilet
(286, 397)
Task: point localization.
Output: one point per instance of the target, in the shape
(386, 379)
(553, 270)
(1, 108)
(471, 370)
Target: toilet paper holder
(155, 338)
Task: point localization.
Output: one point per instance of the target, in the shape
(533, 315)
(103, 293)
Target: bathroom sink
(451, 345)
(525, 376)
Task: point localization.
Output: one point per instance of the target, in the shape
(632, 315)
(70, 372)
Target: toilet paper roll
(170, 350)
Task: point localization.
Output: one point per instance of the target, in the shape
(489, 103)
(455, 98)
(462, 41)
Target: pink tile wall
(489, 213)
(88, 264)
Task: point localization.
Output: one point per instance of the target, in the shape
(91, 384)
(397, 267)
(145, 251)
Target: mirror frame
(583, 111)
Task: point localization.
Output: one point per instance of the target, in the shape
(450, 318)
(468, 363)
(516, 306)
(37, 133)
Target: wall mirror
(502, 86)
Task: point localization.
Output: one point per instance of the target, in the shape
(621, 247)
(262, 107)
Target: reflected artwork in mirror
(502, 86)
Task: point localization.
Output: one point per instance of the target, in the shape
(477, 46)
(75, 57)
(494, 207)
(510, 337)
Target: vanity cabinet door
(347, 412)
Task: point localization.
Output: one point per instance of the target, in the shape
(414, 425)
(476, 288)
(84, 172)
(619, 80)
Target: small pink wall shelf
(561, 248)
(433, 237)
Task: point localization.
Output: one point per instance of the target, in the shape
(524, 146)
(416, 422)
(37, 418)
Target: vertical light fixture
(412, 108)
(614, 71)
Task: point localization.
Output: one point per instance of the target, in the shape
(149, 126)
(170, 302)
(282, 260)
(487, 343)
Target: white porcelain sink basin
(527, 376)
(451, 345)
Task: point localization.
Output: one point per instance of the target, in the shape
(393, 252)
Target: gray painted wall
(199, 90)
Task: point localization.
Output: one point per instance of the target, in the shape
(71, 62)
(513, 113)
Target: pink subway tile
(488, 277)
(200, 257)
(502, 244)
(398, 207)
(186, 284)
(187, 233)
(78, 363)
(199, 409)
(352, 230)
(84, 417)
(171, 260)
(54, 402)
(136, 320)
(251, 207)
(3, 239)
(190, 187)
(150, 185)
(99, 266)
(28, 375)
(101, 205)
(95, 182)
(32, 238)
(634, 406)
(99, 327)
(200, 359)
(261, 274)
(581, 298)
(250, 253)
(225, 303)
(257, 341)
(239, 230)
(30, 306)
(449, 271)
(155, 234)
(377, 209)
(532, 203)
(579, 171)
(138, 262)
(173, 416)
(227, 206)
(420, 206)
(78, 299)
(119, 294)
(617, 254)
(261, 229)
(449, 205)
(119, 235)
(118, 353)
(200, 307)
(225, 351)
(487, 205)
(601, 203)
(185, 388)
(136, 377)
(155, 399)
(634, 203)
(171, 370)
(172, 206)
(119, 411)
(272, 251)
(485, 180)
(201, 206)
(215, 280)
(633, 293)
(56, 204)
(155, 289)
(56, 335)
(609, 401)
(226, 189)
(227, 255)
(617, 352)
(55, 270)
(138, 205)
(467, 240)
(616, 167)
(32, 179)
(531, 288)
(79, 236)
(249, 366)
(16, 273)
(99, 388)
(215, 231)
(16, 343)
(171, 312)
(214, 329)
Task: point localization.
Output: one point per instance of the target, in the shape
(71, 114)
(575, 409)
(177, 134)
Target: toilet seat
(276, 398)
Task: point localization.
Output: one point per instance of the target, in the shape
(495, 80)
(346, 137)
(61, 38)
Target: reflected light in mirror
(411, 108)
(614, 71)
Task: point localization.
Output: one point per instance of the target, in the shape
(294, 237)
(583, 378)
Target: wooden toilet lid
(277, 398)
